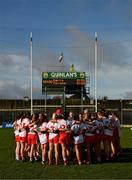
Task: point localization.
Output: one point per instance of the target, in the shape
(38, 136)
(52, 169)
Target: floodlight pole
(31, 63)
(121, 111)
(96, 63)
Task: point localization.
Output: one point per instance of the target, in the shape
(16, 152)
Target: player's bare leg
(78, 155)
(17, 151)
(22, 150)
(50, 152)
(43, 148)
(56, 146)
(64, 155)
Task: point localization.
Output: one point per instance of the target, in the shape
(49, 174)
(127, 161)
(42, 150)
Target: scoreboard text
(63, 79)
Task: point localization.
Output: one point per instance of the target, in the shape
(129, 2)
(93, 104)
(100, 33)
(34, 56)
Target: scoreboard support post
(81, 98)
(64, 83)
(45, 99)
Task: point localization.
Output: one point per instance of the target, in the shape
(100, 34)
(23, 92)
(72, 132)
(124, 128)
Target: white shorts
(43, 138)
(78, 139)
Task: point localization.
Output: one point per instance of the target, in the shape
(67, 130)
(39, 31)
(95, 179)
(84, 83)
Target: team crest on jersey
(63, 126)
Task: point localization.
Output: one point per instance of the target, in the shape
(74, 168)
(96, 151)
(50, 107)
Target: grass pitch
(11, 169)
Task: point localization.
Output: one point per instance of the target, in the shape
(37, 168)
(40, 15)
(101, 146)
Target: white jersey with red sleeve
(25, 122)
(23, 127)
(63, 124)
(43, 138)
(53, 126)
(77, 133)
(63, 128)
(32, 129)
(16, 126)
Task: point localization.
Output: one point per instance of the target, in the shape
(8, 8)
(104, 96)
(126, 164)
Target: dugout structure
(64, 83)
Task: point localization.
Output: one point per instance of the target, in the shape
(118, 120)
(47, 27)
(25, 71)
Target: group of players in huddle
(56, 138)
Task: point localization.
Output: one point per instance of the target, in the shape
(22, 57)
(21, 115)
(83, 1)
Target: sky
(66, 26)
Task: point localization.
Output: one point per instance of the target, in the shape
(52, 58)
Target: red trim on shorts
(65, 139)
(54, 140)
(23, 139)
(89, 139)
(17, 138)
(32, 139)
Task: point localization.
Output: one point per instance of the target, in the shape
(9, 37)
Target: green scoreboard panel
(56, 81)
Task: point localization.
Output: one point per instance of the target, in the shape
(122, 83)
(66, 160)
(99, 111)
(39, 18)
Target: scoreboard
(63, 78)
(55, 81)
(64, 82)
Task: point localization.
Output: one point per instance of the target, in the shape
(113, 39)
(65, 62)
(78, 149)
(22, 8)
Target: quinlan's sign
(56, 81)
(63, 75)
